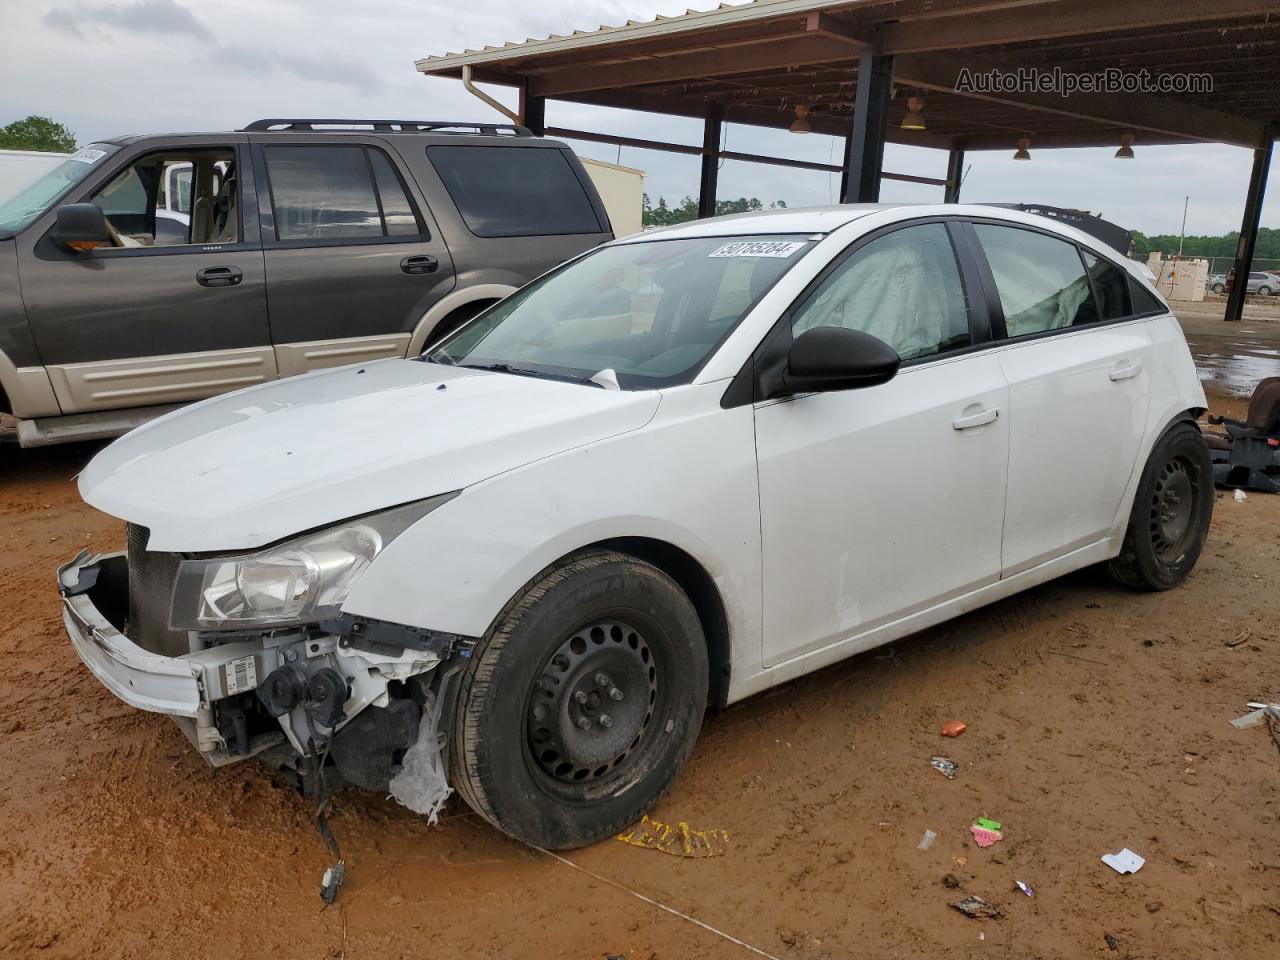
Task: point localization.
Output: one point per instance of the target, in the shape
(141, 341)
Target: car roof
(824, 220)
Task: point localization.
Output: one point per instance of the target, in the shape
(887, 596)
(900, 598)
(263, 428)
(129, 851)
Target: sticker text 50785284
(758, 248)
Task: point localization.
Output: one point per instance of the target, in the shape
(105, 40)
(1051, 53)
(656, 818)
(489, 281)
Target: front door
(880, 502)
(353, 258)
(176, 309)
(1078, 367)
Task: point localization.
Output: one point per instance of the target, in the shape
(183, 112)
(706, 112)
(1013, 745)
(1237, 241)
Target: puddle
(1232, 365)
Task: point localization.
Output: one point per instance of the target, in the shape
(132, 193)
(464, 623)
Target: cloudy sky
(135, 66)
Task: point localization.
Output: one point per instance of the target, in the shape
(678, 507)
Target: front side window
(1041, 280)
(27, 204)
(514, 191)
(904, 288)
(144, 208)
(337, 193)
(651, 312)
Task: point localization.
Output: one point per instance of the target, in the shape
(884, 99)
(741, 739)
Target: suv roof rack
(280, 125)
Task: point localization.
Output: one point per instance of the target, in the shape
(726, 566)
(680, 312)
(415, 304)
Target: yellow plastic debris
(679, 840)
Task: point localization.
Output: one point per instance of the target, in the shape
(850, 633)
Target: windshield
(37, 197)
(652, 312)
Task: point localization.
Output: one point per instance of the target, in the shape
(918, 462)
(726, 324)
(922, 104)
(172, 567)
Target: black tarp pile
(1247, 455)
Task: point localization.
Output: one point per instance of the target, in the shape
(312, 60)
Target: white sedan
(674, 472)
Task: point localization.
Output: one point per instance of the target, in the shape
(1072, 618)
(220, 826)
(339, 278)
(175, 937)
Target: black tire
(602, 638)
(1171, 512)
(1219, 288)
(1264, 291)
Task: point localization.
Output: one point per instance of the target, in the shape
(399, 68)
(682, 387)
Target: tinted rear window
(514, 192)
(1143, 300)
(1110, 285)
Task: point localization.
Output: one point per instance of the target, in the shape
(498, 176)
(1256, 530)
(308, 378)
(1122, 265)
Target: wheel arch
(451, 303)
(698, 585)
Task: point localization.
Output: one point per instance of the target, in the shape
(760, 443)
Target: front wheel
(1171, 513)
(1264, 291)
(582, 702)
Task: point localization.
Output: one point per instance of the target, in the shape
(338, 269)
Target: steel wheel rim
(591, 702)
(1172, 515)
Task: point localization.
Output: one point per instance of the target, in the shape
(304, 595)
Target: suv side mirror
(836, 358)
(80, 227)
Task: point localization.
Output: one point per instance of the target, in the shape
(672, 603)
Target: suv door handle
(1126, 370)
(419, 264)
(219, 276)
(981, 418)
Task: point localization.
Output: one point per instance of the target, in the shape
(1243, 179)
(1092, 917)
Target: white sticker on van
(758, 248)
(88, 155)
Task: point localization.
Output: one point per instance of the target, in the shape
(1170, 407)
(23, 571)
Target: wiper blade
(527, 372)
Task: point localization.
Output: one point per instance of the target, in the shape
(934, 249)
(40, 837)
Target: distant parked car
(144, 272)
(1217, 282)
(1263, 284)
(682, 469)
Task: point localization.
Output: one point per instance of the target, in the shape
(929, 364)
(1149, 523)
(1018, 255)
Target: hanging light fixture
(801, 123)
(914, 120)
(1126, 147)
(1023, 144)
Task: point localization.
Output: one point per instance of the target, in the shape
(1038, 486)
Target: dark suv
(146, 272)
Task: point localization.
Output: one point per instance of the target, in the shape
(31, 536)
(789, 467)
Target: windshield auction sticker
(758, 248)
(88, 155)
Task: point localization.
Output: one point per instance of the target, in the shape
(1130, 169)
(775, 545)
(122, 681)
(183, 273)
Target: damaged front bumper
(221, 693)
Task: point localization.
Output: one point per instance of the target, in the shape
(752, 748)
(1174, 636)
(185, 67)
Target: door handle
(1126, 370)
(423, 263)
(968, 421)
(219, 276)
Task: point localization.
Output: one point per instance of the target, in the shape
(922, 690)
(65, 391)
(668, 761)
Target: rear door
(178, 310)
(1078, 367)
(353, 257)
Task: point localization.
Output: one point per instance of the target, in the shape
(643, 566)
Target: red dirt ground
(1097, 719)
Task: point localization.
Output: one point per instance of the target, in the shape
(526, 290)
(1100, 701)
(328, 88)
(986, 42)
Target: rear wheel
(1171, 513)
(1264, 291)
(577, 710)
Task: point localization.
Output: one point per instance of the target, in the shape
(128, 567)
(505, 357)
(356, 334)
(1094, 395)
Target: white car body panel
(874, 503)
(1072, 436)
(907, 524)
(249, 468)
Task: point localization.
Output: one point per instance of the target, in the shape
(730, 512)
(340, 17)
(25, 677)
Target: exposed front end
(250, 653)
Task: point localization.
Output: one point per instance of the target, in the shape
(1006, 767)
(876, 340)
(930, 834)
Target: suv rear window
(513, 191)
(328, 193)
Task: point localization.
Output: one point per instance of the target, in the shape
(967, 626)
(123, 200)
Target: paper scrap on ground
(927, 840)
(945, 766)
(1126, 861)
(986, 831)
(679, 840)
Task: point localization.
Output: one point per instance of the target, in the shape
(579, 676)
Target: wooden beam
(1247, 243)
(1045, 22)
(779, 54)
(941, 72)
(711, 128)
(668, 147)
(825, 25)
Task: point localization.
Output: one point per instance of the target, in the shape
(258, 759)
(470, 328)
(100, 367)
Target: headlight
(303, 580)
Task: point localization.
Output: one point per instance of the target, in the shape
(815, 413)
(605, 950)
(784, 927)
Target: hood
(255, 466)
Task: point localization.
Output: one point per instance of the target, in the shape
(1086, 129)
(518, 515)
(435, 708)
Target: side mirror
(80, 227)
(835, 358)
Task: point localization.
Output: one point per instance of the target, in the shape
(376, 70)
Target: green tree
(37, 133)
(664, 216)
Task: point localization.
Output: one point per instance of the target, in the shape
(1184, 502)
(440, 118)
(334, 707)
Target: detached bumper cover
(141, 679)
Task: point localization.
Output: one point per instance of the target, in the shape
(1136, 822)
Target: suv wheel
(1219, 288)
(1264, 291)
(582, 702)
(1171, 512)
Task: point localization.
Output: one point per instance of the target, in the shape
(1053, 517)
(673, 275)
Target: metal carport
(850, 67)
